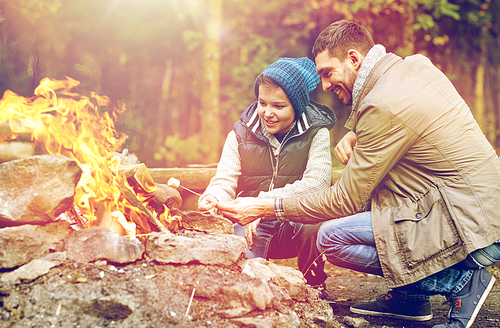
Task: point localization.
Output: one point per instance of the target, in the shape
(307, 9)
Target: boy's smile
(275, 109)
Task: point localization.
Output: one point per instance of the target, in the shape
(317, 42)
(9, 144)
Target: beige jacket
(421, 160)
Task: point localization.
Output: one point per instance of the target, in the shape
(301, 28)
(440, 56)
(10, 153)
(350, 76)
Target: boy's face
(275, 109)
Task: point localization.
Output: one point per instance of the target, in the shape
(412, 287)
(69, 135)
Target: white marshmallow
(173, 182)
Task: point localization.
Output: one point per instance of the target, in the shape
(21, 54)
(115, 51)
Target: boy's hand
(207, 204)
(343, 150)
(244, 210)
(251, 232)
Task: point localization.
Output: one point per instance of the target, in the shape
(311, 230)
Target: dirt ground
(348, 287)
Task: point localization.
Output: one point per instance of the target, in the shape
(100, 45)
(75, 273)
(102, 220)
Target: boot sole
(481, 301)
(392, 315)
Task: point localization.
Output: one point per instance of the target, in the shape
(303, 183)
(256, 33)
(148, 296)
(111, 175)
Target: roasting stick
(131, 197)
(175, 183)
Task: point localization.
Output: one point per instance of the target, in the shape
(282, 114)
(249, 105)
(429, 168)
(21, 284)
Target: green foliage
(149, 54)
(178, 152)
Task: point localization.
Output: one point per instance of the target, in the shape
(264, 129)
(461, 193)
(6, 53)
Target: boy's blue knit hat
(296, 76)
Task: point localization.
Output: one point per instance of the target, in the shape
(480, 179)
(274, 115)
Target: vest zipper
(275, 168)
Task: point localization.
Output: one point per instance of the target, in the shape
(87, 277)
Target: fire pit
(92, 237)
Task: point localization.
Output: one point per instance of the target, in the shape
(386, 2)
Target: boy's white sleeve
(318, 173)
(223, 185)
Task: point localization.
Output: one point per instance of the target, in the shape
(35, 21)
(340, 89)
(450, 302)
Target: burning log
(7, 133)
(192, 178)
(81, 127)
(131, 197)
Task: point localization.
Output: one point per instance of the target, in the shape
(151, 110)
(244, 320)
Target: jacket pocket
(424, 229)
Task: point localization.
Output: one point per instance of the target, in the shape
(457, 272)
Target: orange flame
(82, 128)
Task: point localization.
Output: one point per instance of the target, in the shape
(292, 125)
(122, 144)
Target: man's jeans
(281, 240)
(349, 243)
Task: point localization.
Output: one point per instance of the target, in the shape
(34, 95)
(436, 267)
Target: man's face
(336, 76)
(275, 109)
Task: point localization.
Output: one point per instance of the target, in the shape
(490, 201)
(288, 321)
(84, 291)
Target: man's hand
(343, 150)
(251, 232)
(208, 204)
(247, 209)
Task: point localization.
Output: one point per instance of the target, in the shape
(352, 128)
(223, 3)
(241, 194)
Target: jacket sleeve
(318, 173)
(382, 140)
(223, 185)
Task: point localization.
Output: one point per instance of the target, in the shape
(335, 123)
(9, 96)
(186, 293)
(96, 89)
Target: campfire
(112, 192)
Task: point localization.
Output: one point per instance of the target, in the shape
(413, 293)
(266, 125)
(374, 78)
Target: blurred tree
(151, 57)
(210, 93)
(30, 36)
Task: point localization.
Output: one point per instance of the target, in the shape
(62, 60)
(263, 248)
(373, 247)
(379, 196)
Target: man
(419, 198)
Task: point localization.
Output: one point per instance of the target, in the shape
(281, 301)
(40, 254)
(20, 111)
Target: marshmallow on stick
(175, 183)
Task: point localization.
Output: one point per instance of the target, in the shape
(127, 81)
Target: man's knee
(323, 241)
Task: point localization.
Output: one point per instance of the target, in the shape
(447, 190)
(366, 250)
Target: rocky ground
(144, 294)
(348, 287)
(150, 294)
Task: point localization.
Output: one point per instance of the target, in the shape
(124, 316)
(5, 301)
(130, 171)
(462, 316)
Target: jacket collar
(251, 119)
(380, 67)
(372, 57)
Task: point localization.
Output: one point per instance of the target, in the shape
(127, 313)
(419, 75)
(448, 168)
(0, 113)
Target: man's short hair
(340, 36)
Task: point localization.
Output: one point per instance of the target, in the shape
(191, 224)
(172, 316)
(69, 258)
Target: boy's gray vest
(257, 160)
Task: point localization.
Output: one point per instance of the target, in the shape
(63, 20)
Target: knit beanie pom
(296, 76)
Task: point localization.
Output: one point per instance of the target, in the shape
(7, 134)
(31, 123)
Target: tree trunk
(479, 103)
(210, 108)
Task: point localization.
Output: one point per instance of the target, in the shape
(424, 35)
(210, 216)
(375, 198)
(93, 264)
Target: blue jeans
(281, 240)
(349, 243)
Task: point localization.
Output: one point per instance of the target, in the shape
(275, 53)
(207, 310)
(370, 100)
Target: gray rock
(24, 196)
(20, 245)
(195, 247)
(168, 196)
(98, 243)
(195, 220)
(288, 278)
(280, 321)
(238, 297)
(35, 268)
(16, 150)
(356, 322)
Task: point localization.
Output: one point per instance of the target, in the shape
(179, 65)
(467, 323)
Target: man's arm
(382, 140)
(244, 210)
(344, 148)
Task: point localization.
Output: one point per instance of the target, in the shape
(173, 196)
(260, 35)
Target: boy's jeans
(348, 242)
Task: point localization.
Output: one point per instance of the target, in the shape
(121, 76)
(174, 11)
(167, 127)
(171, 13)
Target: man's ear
(355, 58)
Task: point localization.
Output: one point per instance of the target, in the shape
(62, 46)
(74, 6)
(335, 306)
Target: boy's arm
(318, 173)
(223, 185)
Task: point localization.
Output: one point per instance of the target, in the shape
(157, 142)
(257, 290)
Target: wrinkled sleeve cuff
(279, 210)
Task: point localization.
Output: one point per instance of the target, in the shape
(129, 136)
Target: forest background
(184, 70)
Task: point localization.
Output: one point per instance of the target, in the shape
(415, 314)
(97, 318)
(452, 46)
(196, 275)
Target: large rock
(195, 220)
(98, 243)
(20, 245)
(238, 296)
(36, 189)
(35, 268)
(288, 278)
(195, 247)
(280, 321)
